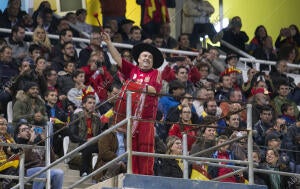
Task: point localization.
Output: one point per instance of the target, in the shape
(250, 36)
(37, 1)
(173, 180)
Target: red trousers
(143, 141)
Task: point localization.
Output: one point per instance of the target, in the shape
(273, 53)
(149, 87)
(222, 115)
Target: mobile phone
(38, 130)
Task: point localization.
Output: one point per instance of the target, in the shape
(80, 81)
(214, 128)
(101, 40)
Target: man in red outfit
(148, 58)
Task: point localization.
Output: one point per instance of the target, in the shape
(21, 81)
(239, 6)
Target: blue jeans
(57, 178)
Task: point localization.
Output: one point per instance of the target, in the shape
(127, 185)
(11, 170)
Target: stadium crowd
(204, 96)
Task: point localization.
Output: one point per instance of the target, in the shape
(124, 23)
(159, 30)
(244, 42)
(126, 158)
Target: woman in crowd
(41, 38)
(259, 34)
(171, 167)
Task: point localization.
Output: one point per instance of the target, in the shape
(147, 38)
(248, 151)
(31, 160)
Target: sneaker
(217, 37)
(84, 174)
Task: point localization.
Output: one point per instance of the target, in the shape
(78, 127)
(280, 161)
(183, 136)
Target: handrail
(79, 148)
(249, 58)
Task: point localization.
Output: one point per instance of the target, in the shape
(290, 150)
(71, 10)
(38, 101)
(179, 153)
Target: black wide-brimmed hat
(158, 58)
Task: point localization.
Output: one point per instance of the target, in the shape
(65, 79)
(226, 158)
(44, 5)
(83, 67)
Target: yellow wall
(273, 14)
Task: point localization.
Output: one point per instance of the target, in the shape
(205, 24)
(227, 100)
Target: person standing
(149, 58)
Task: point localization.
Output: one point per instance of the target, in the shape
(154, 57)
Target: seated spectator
(34, 51)
(176, 90)
(234, 35)
(51, 78)
(74, 95)
(58, 118)
(265, 52)
(222, 93)
(35, 158)
(81, 24)
(65, 36)
(288, 114)
(223, 153)
(171, 71)
(12, 14)
(282, 98)
(30, 106)
(86, 126)
(260, 100)
(232, 63)
(40, 38)
(125, 29)
(169, 41)
(205, 139)
(257, 41)
(65, 80)
(184, 43)
(135, 36)
(289, 53)
(94, 46)
(273, 163)
(280, 129)
(184, 125)
(27, 23)
(8, 166)
(290, 35)
(110, 147)
(262, 125)
(210, 109)
(17, 43)
(293, 143)
(233, 124)
(171, 167)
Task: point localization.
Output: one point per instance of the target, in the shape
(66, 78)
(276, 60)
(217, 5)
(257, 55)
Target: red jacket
(175, 130)
(168, 74)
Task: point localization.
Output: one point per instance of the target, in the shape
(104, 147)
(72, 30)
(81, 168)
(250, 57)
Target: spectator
(201, 97)
(51, 78)
(232, 125)
(17, 43)
(40, 37)
(195, 18)
(272, 163)
(30, 106)
(184, 125)
(265, 52)
(181, 74)
(94, 46)
(152, 20)
(81, 24)
(35, 158)
(282, 98)
(260, 99)
(170, 71)
(171, 167)
(86, 126)
(125, 29)
(46, 19)
(288, 114)
(12, 14)
(223, 153)
(262, 125)
(27, 23)
(68, 55)
(58, 118)
(65, 36)
(291, 36)
(110, 147)
(210, 109)
(222, 93)
(173, 114)
(234, 35)
(35, 51)
(289, 53)
(111, 11)
(5, 153)
(65, 80)
(292, 142)
(169, 41)
(176, 89)
(257, 41)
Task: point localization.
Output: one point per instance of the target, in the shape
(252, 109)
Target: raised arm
(112, 49)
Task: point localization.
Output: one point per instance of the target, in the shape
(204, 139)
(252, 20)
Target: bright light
(225, 24)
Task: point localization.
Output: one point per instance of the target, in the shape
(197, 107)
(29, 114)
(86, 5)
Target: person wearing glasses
(7, 166)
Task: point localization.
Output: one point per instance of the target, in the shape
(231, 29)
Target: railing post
(250, 143)
(48, 159)
(129, 133)
(21, 170)
(185, 153)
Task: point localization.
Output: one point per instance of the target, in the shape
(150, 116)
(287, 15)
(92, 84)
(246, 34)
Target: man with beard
(30, 106)
(68, 55)
(17, 43)
(210, 108)
(86, 125)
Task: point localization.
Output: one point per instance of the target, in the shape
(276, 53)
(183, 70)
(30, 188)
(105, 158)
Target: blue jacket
(165, 103)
